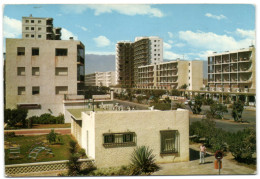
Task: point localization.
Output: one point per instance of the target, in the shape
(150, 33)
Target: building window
(154, 40)
(35, 90)
(35, 51)
(26, 21)
(61, 71)
(61, 90)
(26, 28)
(158, 54)
(189, 71)
(154, 45)
(21, 90)
(61, 52)
(35, 71)
(32, 36)
(21, 71)
(189, 84)
(32, 28)
(119, 139)
(39, 28)
(39, 21)
(39, 36)
(170, 141)
(26, 35)
(189, 64)
(20, 51)
(189, 78)
(32, 21)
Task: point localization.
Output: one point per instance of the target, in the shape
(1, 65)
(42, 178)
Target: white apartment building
(100, 79)
(39, 28)
(232, 71)
(41, 71)
(131, 55)
(171, 75)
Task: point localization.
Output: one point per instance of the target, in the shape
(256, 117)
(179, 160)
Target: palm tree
(143, 161)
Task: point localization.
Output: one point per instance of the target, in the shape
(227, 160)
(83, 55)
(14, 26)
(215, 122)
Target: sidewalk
(194, 168)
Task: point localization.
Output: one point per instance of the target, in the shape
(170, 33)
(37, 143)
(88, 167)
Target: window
(158, 54)
(154, 40)
(32, 36)
(27, 35)
(35, 71)
(61, 52)
(189, 71)
(26, 21)
(169, 141)
(35, 90)
(21, 71)
(119, 139)
(32, 21)
(39, 28)
(39, 21)
(35, 51)
(189, 78)
(20, 51)
(39, 36)
(26, 28)
(32, 28)
(154, 45)
(189, 64)
(61, 90)
(21, 90)
(61, 71)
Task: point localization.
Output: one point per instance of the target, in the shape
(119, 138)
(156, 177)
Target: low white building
(100, 79)
(110, 137)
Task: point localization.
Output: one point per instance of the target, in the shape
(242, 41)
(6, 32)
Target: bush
(216, 111)
(9, 134)
(237, 110)
(15, 116)
(162, 106)
(142, 161)
(74, 165)
(51, 137)
(196, 108)
(82, 152)
(47, 119)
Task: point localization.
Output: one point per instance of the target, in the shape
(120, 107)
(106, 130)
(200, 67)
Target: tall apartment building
(131, 55)
(40, 28)
(100, 79)
(232, 71)
(171, 75)
(39, 73)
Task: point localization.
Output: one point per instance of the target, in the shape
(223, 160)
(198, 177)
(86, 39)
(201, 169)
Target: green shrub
(9, 134)
(14, 116)
(74, 165)
(82, 152)
(51, 137)
(47, 119)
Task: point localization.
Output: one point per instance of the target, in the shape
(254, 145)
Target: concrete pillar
(112, 95)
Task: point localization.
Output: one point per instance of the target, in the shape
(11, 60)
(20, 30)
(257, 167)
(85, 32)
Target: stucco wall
(147, 126)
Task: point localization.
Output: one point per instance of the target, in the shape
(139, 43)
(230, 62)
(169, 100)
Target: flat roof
(77, 112)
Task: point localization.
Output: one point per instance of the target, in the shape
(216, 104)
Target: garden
(41, 148)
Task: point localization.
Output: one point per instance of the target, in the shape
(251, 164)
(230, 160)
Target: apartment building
(39, 28)
(171, 75)
(100, 79)
(131, 55)
(232, 71)
(40, 72)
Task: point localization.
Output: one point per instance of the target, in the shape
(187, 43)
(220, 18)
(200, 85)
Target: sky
(189, 31)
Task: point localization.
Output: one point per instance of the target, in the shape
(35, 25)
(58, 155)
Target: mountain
(99, 63)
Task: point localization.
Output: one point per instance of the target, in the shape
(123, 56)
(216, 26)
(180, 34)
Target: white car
(187, 102)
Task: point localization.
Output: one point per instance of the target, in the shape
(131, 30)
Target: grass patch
(27, 143)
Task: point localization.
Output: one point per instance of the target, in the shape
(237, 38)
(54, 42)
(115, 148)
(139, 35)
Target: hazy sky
(189, 30)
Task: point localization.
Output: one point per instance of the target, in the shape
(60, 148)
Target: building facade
(171, 75)
(131, 55)
(232, 71)
(40, 28)
(100, 79)
(110, 137)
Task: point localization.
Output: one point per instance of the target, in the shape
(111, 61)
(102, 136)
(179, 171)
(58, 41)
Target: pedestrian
(202, 153)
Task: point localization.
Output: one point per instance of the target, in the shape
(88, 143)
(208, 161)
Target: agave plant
(143, 161)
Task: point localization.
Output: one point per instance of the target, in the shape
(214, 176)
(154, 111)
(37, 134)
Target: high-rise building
(131, 55)
(39, 28)
(171, 75)
(40, 73)
(100, 79)
(232, 71)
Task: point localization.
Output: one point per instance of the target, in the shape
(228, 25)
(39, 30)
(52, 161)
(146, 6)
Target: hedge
(47, 119)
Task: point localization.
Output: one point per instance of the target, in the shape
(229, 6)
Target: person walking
(202, 153)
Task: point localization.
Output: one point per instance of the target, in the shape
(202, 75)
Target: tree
(184, 86)
(14, 116)
(175, 92)
(73, 164)
(237, 110)
(51, 137)
(143, 161)
(196, 107)
(217, 111)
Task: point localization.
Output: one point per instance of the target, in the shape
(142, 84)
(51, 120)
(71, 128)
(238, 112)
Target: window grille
(169, 141)
(119, 139)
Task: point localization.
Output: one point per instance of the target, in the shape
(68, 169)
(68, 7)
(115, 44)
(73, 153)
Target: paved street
(194, 168)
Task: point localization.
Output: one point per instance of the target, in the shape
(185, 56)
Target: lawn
(27, 143)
